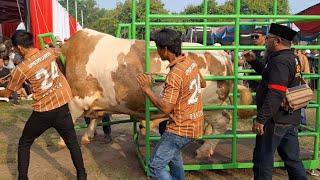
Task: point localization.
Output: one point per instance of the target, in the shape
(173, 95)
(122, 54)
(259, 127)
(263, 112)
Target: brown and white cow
(102, 70)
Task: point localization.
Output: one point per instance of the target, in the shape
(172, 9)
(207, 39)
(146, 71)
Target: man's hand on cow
(144, 81)
(257, 128)
(249, 56)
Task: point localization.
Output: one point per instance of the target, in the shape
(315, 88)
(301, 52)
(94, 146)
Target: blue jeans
(303, 116)
(168, 152)
(284, 138)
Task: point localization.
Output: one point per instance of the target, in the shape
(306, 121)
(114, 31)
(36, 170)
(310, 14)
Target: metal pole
(133, 19)
(205, 12)
(76, 9)
(68, 5)
(233, 16)
(147, 70)
(118, 34)
(235, 82)
(275, 9)
(316, 139)
(82, 18)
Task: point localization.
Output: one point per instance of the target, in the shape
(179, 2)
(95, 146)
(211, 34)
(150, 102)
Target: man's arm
(145, 84)
(5, 93)
(251, 58)
(16, 81)
(203, 83)
(157, 101)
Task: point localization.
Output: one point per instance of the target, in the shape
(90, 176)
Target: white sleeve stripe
(21, 71)
(174, 74)
(171, 94)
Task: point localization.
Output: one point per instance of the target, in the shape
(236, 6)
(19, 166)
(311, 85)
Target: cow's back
(102, 70)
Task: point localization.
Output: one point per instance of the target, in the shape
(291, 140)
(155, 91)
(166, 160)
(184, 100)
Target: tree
(247, 7)
(91, 12)
(122, 14)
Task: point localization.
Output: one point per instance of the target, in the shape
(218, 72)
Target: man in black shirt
(4, 73)
(275, 127)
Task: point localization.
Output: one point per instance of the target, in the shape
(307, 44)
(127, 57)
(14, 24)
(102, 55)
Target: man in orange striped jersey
(51, 94)
(181, 100)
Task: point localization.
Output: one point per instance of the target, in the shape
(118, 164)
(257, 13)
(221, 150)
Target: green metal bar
(312, 164)
(246, 71)
(201, 48)
(251, 77)
(233, 16)
(275, 9)
(230, 23)
(130, 32)
(308, 128)
(235, 81)
(141, 158)
(217, 78)
(133, 19)
(229, 107)
(238, 136)
(205, 12)
(81, 126)
(310, 76)
(147, 70)
(317, 125)
(120, 27)
(54, 41)
(118, 33)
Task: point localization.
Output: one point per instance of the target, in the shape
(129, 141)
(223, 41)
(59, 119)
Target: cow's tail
(62, 66)
(245, 99)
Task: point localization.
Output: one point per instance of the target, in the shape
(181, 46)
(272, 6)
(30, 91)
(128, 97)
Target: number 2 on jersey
(47, 83)
(196, 86)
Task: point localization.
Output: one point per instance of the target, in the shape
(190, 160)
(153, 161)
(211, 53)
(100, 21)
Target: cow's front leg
(61, 143)
(89, 134)
(218, 123)
(153, 125)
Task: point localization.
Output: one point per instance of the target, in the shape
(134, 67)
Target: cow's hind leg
(218, 123)
(89, 134)
(75, 113)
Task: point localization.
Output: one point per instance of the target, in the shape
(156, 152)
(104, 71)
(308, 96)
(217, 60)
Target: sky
(178, 5)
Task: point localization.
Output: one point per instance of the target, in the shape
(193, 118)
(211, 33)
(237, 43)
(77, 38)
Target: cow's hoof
(85, 140)
(61, 145)
(204, 153)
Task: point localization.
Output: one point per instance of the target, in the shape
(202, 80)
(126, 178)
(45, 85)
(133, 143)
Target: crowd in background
(9, 58)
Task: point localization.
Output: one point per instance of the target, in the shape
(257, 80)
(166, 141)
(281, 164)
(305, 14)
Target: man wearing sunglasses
(276, 128)
(258, 39)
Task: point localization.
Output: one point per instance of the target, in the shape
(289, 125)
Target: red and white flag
(49, 16)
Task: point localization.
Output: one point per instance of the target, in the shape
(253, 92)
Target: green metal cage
(234, 136)
(234, 20)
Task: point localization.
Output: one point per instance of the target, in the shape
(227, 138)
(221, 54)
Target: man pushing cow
(51, 94)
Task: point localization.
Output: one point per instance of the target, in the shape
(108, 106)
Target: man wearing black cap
(275, 127)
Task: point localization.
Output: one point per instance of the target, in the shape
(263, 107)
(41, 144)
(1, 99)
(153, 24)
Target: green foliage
(107, 20)
(91, 11)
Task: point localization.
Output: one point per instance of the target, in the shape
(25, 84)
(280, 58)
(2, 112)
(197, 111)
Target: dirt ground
(103, 161)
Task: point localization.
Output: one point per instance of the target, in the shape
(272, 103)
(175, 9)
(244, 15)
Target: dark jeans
(284, 138)
(38, 123)
(168, 152)
(303, 116)
(105, 119)
(163, 127)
